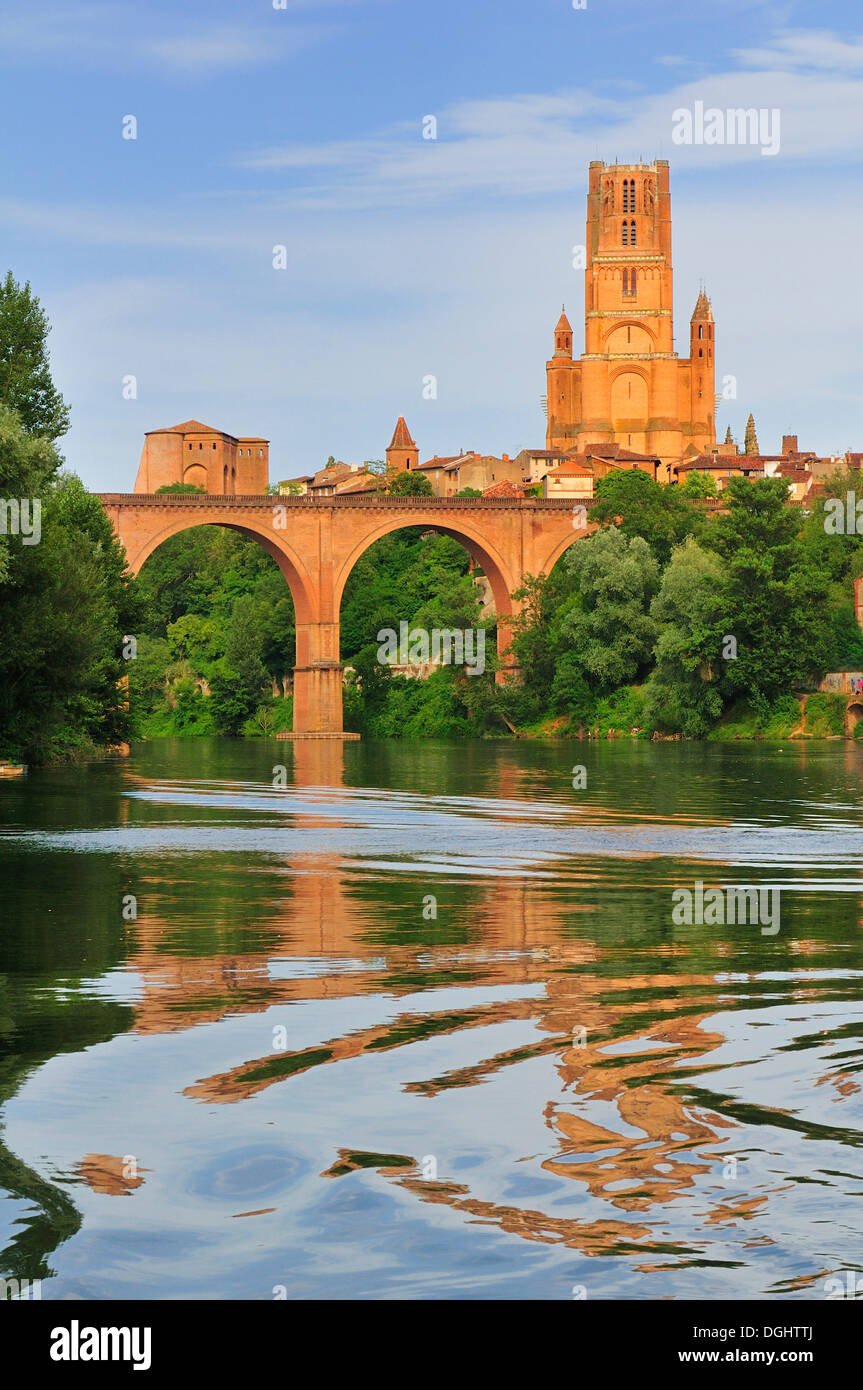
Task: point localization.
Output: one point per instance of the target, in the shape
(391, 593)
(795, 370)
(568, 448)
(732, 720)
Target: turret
(563, 337)
(701, 328)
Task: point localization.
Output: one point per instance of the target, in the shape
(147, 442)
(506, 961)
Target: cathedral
(629, 387)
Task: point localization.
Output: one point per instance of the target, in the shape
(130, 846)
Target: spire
(728, 439)
(401, 436)
(750, 439)
(563, 322)
(702, 308)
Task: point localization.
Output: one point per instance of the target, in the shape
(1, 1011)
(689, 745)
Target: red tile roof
(401, 436)
(503, 489)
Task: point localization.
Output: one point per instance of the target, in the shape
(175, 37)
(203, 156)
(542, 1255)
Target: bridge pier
(318, 680)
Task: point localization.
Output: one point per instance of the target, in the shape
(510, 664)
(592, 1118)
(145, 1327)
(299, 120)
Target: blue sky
(407, 257)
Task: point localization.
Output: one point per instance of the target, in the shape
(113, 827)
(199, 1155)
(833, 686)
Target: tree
(25, 375)
(642, 507)
(611, 633)
(683, 693)
(698, 485)
(774, 600)
(240, 676)
(750, 439)
(410, 484)
(181, 487)
(65, 606)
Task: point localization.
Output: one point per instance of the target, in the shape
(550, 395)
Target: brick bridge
(317, 541)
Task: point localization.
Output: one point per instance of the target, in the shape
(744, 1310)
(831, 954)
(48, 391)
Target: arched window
(701, 330)
(632, 285)
(626, 234)
(626, 282)
(632, 233)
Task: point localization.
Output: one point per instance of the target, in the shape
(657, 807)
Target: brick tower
(629, 386)
(402, 455)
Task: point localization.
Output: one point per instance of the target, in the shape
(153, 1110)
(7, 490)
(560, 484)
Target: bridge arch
(478, 547)
(288, 560)
(853, 715)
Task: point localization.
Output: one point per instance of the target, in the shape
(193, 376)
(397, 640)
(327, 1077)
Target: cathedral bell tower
(629, 387)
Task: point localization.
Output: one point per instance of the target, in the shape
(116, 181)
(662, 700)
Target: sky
(302, 126)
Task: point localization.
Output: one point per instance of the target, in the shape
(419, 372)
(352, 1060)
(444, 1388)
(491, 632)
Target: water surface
(418, 1022)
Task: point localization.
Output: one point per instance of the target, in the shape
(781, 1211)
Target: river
(419, 1020)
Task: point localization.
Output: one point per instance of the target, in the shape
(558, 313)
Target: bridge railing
(363, 502)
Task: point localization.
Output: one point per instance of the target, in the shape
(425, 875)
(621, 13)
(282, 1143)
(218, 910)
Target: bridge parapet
(361, 502)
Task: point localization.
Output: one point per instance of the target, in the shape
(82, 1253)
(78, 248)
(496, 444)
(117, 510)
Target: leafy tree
(65, 606)
(683, 693)
(410, 484)
(774, 600)
(181, 487)
(611, 632)
(240, 676)
(698, 485)
(25, 375)
(639, 506)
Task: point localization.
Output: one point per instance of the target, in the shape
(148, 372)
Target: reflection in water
(537, 1081)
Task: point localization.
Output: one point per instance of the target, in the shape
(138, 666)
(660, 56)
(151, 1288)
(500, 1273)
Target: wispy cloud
(529, 145)
(102, 34)
(805, 48)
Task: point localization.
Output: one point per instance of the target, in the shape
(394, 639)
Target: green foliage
(65, 606)
(698, 485)
(662, 516)
(180, 487)
(774, 600)
(410, 484)
(825, 715)
(25, 375)
(683, 693)
(611, 632)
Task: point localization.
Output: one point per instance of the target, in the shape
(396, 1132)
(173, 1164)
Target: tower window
(626, 282)
(701, 330)
(626, 234)
(632, 285)
(701, 352)
(632, 233)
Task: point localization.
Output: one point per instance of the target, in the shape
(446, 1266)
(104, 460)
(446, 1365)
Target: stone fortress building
(207, 458)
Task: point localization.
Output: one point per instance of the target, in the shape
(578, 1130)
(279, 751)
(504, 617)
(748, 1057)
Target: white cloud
(805, 48)
(529, 145)
(103, 35)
